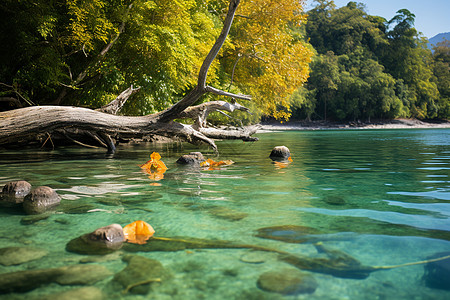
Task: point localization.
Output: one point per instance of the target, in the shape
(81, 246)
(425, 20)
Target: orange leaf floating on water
(154, 167)
(215, 164)
(138, 232)
(282, 165)
(155, 156)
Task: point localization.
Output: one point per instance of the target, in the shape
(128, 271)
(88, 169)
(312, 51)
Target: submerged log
(337, 263)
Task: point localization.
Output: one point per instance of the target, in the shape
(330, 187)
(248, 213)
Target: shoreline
(322, 125)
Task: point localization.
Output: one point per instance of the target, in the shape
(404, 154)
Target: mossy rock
(140, 273)
(13, 192)
(40, 200)
(83, 293)
(437, 274)
(102, 241)
(227, 213)
(24, 281)
(82, 274)
(18, 255)
(287, 282)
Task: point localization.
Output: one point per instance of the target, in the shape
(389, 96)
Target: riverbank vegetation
(85, 53)
(326, 64)
(367, 67)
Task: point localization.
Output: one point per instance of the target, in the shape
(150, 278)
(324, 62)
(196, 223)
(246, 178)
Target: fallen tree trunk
(39, 123)
(23, 125)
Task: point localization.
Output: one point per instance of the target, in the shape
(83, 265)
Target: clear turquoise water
(381, 196)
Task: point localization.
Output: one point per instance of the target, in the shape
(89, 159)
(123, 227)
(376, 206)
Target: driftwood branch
(244, 134)
(200, 112)
(116, 105)
(223, 93)
(23, 124)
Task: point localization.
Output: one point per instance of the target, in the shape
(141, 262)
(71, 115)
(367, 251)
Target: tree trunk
(36, 123)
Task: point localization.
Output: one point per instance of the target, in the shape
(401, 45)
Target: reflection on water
(380, 196)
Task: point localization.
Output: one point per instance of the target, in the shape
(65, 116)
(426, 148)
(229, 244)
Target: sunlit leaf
(154, 167)
(211, 164)
(155, 156)
(138, 232)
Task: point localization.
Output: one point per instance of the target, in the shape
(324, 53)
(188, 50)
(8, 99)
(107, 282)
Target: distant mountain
(438, 38)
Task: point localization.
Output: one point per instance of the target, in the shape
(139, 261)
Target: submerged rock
(192, 159)
(102, 241)
(31, 219)
(287, 282)
(280, 153)
(18, 255)
(334, 200)
(437, 274)
(227, 213)
(256, 257)
(40, 200)
(101, 259)
(14, 192)
(287, 233)
(24, 281)
(82, 274)
(140, 274)
(83, 293)
(77, 208)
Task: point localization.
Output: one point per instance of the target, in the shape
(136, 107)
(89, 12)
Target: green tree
(85, 52)
(347, 79)
(384, 69)
(441, 72)
(408, 59)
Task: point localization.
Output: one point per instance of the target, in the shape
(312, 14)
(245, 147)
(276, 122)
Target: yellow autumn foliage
(274, 63)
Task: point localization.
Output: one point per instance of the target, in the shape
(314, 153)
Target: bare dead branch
(172, 112)
(234, 68)
(218, 44)
(116, 105)
(79, 143)
(223, 93)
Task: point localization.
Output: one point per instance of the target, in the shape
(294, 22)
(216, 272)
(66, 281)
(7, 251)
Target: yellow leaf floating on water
(138, 232)
(155, 156)
(212, 165)
(154, 167)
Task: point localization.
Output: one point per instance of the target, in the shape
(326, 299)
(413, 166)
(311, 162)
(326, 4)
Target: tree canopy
(367, 67)
(85, 52)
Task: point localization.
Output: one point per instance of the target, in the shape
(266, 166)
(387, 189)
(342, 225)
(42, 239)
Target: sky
(432, 16)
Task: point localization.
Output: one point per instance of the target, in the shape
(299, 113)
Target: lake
(380, 197)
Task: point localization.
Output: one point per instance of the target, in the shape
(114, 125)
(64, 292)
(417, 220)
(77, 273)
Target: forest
(366, 67)
(324, 64)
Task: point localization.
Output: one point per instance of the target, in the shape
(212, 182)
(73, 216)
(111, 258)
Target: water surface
(381, 196)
